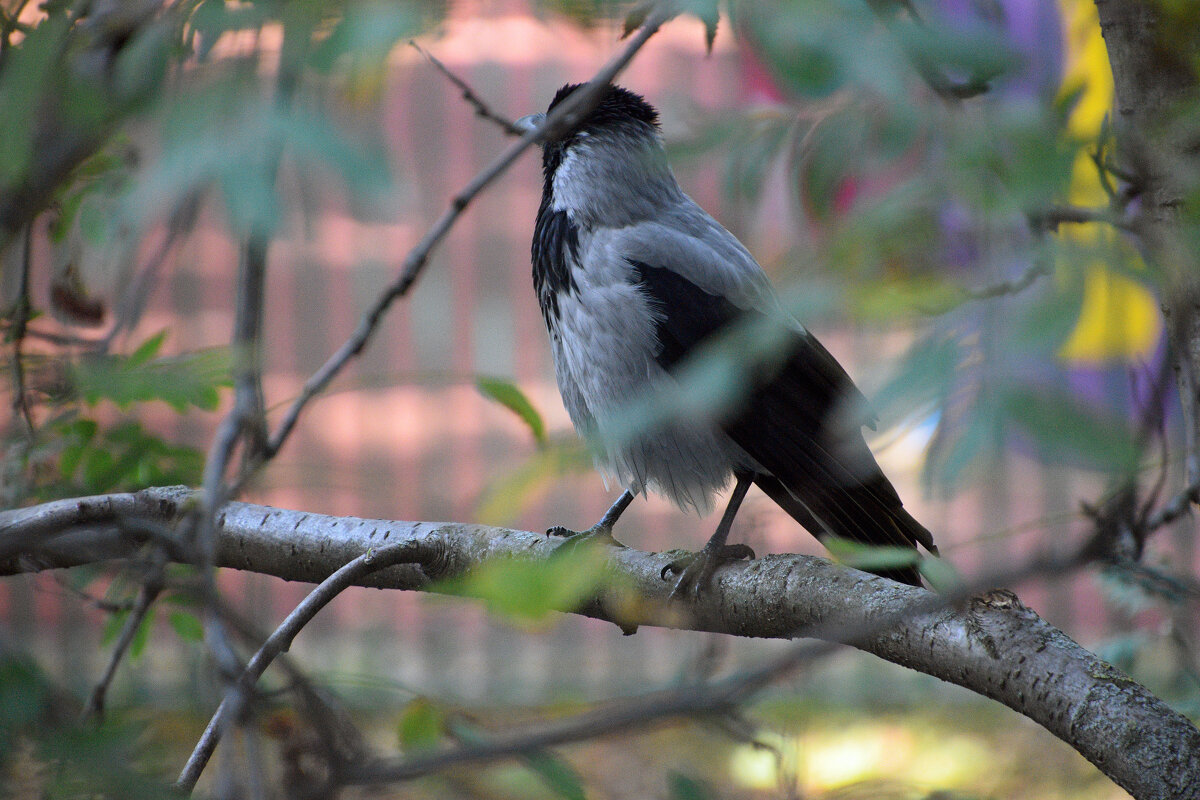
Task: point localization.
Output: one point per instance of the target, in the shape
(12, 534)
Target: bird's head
(610, 165)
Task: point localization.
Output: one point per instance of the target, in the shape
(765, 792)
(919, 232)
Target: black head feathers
(617, 107)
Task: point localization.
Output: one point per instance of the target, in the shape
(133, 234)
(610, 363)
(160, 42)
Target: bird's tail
(862, 513)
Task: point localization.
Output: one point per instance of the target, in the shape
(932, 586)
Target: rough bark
(1153, 61)
(994, 646)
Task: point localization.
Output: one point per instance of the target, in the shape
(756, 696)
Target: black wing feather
(792, 421)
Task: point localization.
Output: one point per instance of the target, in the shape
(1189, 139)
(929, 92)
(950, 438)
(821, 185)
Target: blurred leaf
(962, 442)
(147, 349)
(28, 79)
(137, 645)
(215, 17)
(558, 774)
(24, 694)
(685, 787)
(527, 591)
(816, 48)
(870, 557)
(180, 381)
(892, 300)
(926, 375)
(586, 13)
(1065, 430)
(112, 627)
(142, 62)
(421, 726)
(505, 497)
(98, 470)
(758, 144)
(941, 574)
(187, 625)
(366, 34)
(508, 395)
(708, 12)
(1043, 325)
(122, 457)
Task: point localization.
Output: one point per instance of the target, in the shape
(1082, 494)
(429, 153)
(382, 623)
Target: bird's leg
(602, 530)
(696, 569)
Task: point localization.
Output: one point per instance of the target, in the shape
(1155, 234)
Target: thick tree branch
(1001, 650)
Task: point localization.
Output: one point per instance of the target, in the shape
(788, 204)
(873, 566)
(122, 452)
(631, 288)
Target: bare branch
(482, 109)
(1032, 274)
(1050, 218)
(133, 302)
(280, 641)
(20, 403)
(1175, 508)
(565, 114)
(151, 588)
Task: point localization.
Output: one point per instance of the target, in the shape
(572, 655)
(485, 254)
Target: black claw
(573, 539)
(695, 570)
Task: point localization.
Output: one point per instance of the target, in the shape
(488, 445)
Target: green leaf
(923, 377)
(147, 349)
(32, 69)
(366, 34)
(112, 627)
(98, 470)
(977, 435)
(421, 726)
(180, 381)
(871, 557)
(137, 645)
(508, 395)
(504, 499)
(1066, 430)
(528, 591)
(187, 625)
(558, 774)
(708, 12)
(685, 787)
(941, 574)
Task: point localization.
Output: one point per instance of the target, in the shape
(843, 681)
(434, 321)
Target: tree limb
(1001, 650)
(280, 641)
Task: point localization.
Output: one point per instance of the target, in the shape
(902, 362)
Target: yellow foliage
(1119, 318)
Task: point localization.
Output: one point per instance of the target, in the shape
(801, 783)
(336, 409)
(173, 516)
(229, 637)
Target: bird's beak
(529, 122)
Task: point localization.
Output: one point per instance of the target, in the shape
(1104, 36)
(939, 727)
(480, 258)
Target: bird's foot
(695, 570)
(599, 533)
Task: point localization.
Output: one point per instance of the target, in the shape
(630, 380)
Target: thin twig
(133, 302)
(280, 641)
(565, 114)
(1034, 272)
(61, 339)
(1176, 507)
(1050, 218)
(20, 403)
(151, 588)
(482, 109)
(98, 603)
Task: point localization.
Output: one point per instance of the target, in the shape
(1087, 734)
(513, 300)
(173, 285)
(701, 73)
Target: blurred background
(862, 205)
